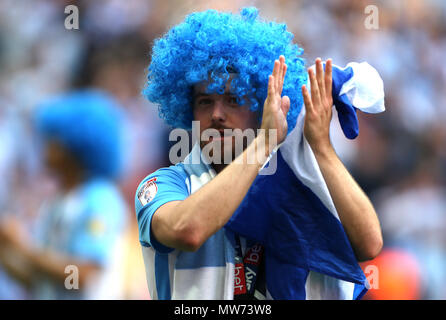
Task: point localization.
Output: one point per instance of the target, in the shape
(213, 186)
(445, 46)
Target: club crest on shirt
(148, 191)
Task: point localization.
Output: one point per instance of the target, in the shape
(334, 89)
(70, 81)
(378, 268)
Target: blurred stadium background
(399, 158)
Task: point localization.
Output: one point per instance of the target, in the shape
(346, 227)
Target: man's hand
(355, 210)
(276, 107)
(318, 107)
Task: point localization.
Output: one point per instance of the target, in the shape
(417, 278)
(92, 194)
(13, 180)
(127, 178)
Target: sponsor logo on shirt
(147, 191)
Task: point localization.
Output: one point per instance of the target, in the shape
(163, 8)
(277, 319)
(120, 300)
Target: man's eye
(204, 101)
(233, 100)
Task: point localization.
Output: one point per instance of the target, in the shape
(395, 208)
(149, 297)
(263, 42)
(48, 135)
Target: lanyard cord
(246, 270)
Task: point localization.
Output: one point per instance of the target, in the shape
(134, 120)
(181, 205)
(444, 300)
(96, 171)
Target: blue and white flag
(307, 253)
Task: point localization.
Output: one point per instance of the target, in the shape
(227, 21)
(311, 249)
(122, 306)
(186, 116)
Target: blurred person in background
(81, 227)
(117, 66)
(40, 58)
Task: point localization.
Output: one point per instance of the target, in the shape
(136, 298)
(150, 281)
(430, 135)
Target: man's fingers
(283, 79)
(320, 77)
(276, 71)
(328, 78)
(315, 94)
(285, 68)
(271, 86)
(279, 76)
(285, 105)
(307, 99)
(281, 71)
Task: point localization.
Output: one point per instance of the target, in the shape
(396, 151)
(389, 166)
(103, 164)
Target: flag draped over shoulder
(307, 253)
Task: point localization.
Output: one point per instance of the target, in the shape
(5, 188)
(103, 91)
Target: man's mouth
(229, 134)
(221, 138)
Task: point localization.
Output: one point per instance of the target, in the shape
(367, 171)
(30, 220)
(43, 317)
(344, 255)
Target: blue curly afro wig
(88, 124)
(208, 46)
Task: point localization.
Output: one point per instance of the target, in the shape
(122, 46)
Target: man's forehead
(202, 87)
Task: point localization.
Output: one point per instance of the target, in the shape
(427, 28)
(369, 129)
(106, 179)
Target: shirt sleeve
(160, 187)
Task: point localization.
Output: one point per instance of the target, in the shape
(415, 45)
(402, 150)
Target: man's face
(215, 111)
(60, 161)
(55, 157)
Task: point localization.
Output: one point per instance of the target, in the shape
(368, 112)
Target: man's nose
(219, 111)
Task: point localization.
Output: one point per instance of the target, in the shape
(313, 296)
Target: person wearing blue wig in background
(234, 71)
(74, 251)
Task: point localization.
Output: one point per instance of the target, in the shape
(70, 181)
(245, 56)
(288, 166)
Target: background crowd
(399, 158)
